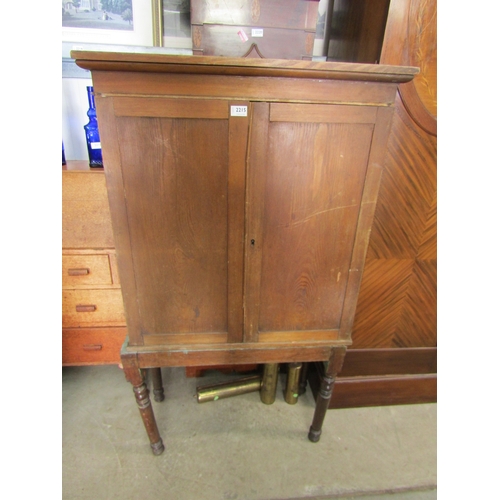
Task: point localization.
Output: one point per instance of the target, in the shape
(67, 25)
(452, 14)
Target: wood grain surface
(177, 206)
(312, 197)
(397, 305)
(86, 220)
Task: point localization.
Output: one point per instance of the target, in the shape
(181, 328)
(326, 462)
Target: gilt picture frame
(114, 22)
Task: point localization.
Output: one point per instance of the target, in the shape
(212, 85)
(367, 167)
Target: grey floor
(237, 448)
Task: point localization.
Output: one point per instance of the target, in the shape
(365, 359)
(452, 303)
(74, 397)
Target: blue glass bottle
(63, 155)
(92, 133)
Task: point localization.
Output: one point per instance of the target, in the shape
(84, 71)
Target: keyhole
(252, 242)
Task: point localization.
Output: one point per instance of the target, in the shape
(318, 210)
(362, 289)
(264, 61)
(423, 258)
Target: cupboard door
(182, 164)
(305, 183)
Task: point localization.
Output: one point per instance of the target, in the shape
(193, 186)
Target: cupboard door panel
(176, 196)
(314, 180)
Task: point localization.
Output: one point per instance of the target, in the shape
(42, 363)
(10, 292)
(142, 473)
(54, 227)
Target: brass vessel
(228, 389)
(269, 383)
(292, 383)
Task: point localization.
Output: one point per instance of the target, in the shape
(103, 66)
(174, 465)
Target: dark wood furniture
(394, 335)
(242, 193)
(356, 30)
(93, 319)
(279, 29)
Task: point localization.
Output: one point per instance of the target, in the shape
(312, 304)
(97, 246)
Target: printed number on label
(238, 110)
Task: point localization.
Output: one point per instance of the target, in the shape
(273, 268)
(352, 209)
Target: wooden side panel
(365, 220)
(398, 300)
(314, 182)
(176, 196)
(356, 392)
(380, 391)
(118, 210)
(394, 361)
(376, 377)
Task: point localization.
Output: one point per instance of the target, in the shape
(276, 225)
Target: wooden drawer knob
(92, 347)
(81, 308)
(79, 272)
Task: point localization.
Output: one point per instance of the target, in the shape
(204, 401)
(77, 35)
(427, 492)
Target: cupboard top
(209, 65)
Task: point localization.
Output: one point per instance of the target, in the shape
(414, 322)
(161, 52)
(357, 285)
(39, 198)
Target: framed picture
(118, 22)
(172, 23)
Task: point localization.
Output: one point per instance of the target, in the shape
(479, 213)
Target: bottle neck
(90, 94)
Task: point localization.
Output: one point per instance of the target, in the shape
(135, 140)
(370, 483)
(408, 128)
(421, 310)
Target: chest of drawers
(93, 320)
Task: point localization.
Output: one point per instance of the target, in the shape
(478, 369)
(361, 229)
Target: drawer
(92, 346)
(86, 270)
(92, 308)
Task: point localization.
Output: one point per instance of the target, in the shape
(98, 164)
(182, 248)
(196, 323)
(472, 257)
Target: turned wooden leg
(158, 392)
(135, 377)
(325, 393)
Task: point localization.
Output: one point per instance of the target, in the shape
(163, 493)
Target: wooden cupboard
(282, 29)
(393, 358)
(242, 193)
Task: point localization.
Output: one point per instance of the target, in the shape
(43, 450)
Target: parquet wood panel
(397, 302)
(381, 302)
(428, 242)
(407, 191)
(418, 320)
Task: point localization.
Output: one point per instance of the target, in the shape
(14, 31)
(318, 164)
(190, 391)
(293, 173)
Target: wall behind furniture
(74, 117)
(74, 92)
(75, 80)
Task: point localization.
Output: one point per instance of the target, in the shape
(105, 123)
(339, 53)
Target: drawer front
(92, 346)
(86, 270)
(92, 308)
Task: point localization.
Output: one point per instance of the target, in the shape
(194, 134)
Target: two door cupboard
(242, 193)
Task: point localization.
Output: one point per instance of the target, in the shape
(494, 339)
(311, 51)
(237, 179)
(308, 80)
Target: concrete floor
(237, 448)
